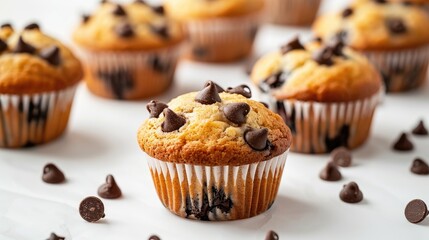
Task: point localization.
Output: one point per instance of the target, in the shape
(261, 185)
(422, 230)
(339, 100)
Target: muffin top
(213, 127)
(202, 9)
(316, 72)
(129, 27)
(377, 25)
(32, 62)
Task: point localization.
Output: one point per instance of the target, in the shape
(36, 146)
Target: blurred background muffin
(292, 12)
(219, 31)
(129, 51)
(38, 79)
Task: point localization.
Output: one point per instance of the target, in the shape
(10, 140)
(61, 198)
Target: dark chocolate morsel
(124, 29)
(23, 47)
(161, 30)
(257, 139)
(416, 211)
(155, 108)
(265, 104)
(219, 88)
(159, 9)
(243, 90)
(54, 236)
(6, 25)
(294, 44)
(52, 174)
(109, 189)
(380, 1)
(420, 129)
(3, 45)
(236, 112)
(337, 45)
(347, 12)
(91, 209)
(351, 193)
(396, 25)
(209, 94)
(275, 80)
(318, 39)
(341, 156)
(172, 121)
(51, 55)
(85, 18)
(330, 173)
(419, 167)
(403, 144)
(271, 235)
(154, 237)
(119, 11)
(323, 56)
(140, 1)
(32, 26)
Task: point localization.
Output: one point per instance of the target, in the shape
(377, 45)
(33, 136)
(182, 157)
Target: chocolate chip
(419, 167)
(271, 235)
(337, 45)
(119, 11)
(347, 12)
(6, 25)
(294, 44)
(416, 211)
(276, 80)
(154, 237)
(330, 173)
(32, 26)
(342, 157)
(52, 174)
(257, 139)
(265, 104)
(172, 121)
(109, 189)
(380, 1)
(54, 236)
(3, 45)
(209, 94)
(155, 108)
(420, 129)
(85, 18)
(351, 193)
(159, 9)
(323, 56)
(236, 112)
(91, 209)
(162, 31)
(51, 55)
(124, 30)
(243, 90)
(403, 144)
(23, 47)
(396, 25)
(104, 1)
(140, 2)
(318, 39)
(219, 88)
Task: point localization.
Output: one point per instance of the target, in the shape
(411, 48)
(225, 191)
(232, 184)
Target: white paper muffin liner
(401, 70)
(222, 39)
(291, 12)
(215, 193)
(31, 119)
(130, 75)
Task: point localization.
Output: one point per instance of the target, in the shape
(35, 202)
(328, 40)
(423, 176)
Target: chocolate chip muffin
(219, 31)
(215, 154)
(393, 35)
(130, 51)
(38, 79)
(292, 12)
(326, 94)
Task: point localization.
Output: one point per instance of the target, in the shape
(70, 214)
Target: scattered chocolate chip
(109, 189)
(172, 121)
(119, 11)
(351, 193)
(243, 90)
(91, 209)
(32, 26)
(236, 112)
(23, 47)
(6, 25)
(265, 104)
(219, 88)
(420, 167)
(420, 129)
(330, 173)
(323, 56)
(54, 236)
(162, 31)
(276, 80)
(3, 45)
(396, 25)
(294, 44)
(85, 18)
(124, 29)
(271, 235)
(155, 108)
(154, 237)
(51, 55)
(403, 144)
(347, 12)
(209, 94)
(416, 211)
(52, 174)
(342, 157)
(159, 9)
(257, 139)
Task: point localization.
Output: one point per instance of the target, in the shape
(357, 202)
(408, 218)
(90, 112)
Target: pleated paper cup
(32, 119)
(291, 12)
(222, 39)
(130, 75)
(321, 127)
(401, 70)
(214, 193)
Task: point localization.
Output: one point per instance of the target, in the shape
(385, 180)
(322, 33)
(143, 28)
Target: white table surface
(101, 139)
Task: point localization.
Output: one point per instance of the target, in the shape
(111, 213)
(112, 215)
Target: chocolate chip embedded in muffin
(219, 88)
(396, 25)
(330, 173)
(3, 45)
(91, 209)
(351, 193)
(420, 167)
(23, 47)
(236, 112)
(208, 95)
(52, 174)
(54, 236)
(85, 18)
(347, 12)
(243, 90)
(276, 80)
(380, 1)
(403, 144)
(124, 30)
(161, 30)
(51, 55)
(271, 235)
(294, 44)
(140, 2)
(420, 129)
(155, 108)
(32, 26)
(323, 56)
(172, 121)
(119, 11)
(416, 211)
(159, 9)
(109, 189)
(257, 139)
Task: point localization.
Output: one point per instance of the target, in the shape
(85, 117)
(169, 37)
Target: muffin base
(291, 12)
(28, 120)
(213, 193)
